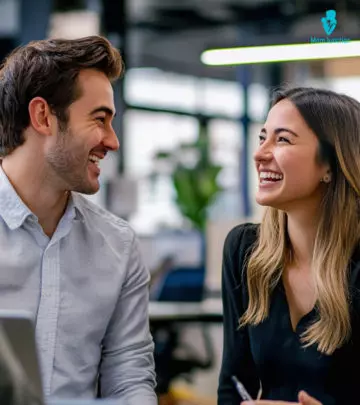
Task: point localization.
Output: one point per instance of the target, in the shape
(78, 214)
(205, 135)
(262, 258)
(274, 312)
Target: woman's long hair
(335, 120)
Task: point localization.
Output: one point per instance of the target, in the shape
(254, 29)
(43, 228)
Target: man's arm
(127, 365)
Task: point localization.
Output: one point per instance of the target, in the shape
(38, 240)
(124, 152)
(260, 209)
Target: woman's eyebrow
(281, 129)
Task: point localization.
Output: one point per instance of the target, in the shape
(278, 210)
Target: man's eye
(101, 119)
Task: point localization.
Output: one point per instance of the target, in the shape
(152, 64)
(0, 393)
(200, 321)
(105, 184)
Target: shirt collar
(14, 211)
(74, 208)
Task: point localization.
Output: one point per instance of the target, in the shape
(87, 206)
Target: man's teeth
(264, 176)
(94, 159)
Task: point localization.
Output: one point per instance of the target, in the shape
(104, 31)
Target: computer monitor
(18, 355)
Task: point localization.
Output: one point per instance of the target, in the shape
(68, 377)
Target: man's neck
(36, 191)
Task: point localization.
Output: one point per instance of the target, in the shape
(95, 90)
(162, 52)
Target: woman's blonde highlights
(338, 230)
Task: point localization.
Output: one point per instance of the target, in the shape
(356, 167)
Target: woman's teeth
(268, 177)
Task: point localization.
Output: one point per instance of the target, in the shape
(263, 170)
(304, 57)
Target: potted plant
(194, 177)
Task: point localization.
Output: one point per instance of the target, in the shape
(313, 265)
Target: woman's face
(286, 161)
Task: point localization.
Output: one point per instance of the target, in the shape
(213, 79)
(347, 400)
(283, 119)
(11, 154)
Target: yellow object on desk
(183, 395)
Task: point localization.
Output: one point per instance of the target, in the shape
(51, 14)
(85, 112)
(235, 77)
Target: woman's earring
(326, 178)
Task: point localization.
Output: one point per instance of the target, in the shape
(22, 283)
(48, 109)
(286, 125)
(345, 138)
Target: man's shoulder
(101, 218)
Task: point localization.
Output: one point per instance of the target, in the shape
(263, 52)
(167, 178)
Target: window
(146, 134)
(155, 88)
(226, 138)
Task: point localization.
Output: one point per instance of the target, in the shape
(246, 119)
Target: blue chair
(182, 284)
(178, 284)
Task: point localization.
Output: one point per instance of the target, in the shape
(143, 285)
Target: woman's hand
(306, 399)
(303, 398)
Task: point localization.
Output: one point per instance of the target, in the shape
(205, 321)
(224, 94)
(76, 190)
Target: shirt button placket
(48, 312)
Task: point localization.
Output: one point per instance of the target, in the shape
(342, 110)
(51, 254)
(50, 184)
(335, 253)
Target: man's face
(74, 153)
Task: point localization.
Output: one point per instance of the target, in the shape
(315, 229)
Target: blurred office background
(184, 174)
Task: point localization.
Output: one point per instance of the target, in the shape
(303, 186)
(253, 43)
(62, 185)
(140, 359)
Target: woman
(291, 285)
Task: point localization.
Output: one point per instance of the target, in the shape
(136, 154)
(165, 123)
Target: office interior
(174, 112)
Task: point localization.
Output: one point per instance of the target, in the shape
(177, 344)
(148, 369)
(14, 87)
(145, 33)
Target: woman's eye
(261, 138)
(282, 139)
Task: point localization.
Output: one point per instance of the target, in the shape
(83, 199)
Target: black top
(272, 351)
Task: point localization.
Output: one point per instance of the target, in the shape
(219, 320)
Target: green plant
(194, 177)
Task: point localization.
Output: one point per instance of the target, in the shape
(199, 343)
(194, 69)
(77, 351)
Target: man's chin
(88, 189)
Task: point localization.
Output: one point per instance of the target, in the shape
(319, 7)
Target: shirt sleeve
(237, 359)
(127, 365)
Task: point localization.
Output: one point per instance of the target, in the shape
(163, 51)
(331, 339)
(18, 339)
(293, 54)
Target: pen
(241, 389)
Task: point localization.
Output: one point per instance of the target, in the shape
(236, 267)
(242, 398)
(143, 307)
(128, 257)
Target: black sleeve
(237, 359)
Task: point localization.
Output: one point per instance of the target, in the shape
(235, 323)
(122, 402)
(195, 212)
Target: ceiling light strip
(280, 53)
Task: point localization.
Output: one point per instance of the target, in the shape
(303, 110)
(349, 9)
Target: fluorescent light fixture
(280, 53)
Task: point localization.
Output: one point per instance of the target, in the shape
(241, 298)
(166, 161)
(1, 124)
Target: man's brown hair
(48, 69)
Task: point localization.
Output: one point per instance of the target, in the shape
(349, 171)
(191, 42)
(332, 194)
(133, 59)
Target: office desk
(166, 321)
(207, 311)
(85, 402)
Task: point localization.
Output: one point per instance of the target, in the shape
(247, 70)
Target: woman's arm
(237, 359)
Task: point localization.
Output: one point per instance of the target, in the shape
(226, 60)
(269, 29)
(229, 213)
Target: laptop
(19, 358)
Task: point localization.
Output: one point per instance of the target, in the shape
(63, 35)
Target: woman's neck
(302, 229)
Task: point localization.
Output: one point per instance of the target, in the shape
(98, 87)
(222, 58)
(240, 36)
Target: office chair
(179, 284)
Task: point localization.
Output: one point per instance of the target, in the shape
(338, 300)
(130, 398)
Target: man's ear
(40, 116)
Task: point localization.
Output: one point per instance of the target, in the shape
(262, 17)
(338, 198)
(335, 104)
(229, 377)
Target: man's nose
(111, 141)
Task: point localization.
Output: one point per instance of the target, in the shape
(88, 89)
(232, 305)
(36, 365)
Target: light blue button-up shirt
(87, 289)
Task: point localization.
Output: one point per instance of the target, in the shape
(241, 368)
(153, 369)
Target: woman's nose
(263, 152)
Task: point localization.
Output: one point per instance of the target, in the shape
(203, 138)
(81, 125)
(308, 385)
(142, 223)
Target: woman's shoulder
(354, 280)
(241, 237)
(238, 245)
(355, 268)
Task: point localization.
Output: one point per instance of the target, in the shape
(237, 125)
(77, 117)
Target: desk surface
(85, 402)
(209, 310)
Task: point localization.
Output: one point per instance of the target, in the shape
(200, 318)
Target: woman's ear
(327, 177)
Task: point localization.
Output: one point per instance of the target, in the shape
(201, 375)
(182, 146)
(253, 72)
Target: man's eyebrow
(104, 109)
(278, 130)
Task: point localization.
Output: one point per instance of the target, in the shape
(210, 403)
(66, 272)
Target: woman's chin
(262, 200)
(267, 201)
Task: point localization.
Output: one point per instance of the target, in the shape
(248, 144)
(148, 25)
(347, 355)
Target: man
(73, 265)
